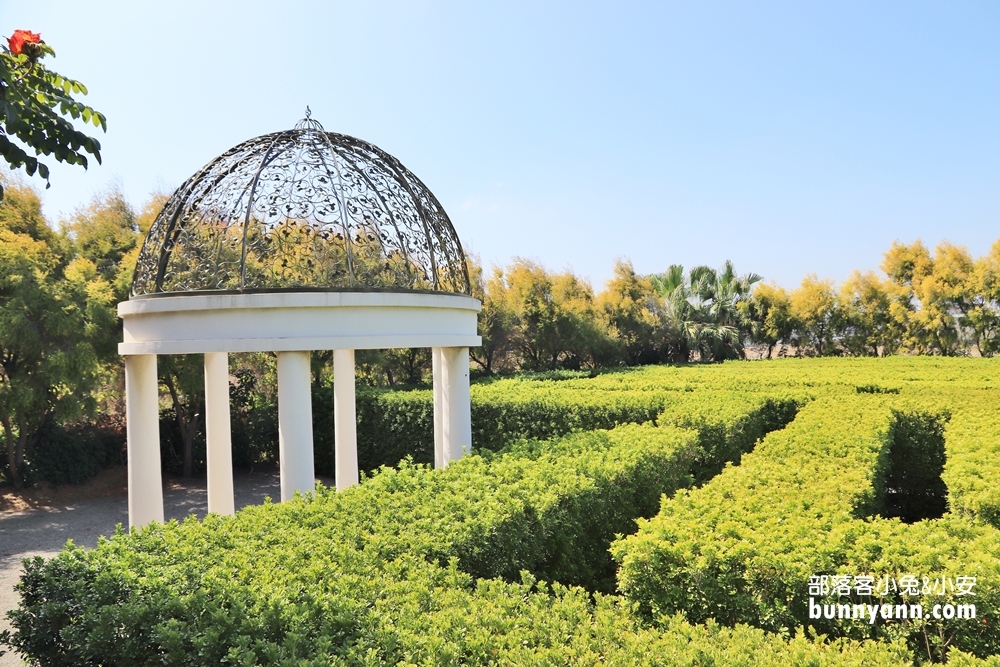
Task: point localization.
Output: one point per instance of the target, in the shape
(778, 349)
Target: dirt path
(40, 522)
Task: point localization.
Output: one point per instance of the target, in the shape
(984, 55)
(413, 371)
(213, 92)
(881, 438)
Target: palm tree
(702, 312)
(677, 314)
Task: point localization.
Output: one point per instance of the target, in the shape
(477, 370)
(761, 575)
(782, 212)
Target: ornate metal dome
(300, 209)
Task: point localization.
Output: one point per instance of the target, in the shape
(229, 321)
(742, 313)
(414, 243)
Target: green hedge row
(386, 573)
(403, 612)
(358, 577)
(973, 465)
(393, 425)
(729, 424)
(742, 548)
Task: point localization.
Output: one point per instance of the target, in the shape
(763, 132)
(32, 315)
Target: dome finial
(309, 123)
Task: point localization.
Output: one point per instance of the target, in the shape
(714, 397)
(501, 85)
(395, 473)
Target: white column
(142, 417)
(457, 413)
(437, 375)
(345, 420)
(219, 450)
(295, 434)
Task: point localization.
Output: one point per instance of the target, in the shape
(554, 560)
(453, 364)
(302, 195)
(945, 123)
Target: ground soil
(107, 484)
(39, 521)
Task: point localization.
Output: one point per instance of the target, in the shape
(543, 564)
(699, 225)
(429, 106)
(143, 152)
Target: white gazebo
(291, 242)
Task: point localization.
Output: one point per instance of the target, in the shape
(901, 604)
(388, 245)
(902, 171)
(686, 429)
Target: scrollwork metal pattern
(303, 208)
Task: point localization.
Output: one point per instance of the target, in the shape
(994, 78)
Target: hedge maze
(695, 515)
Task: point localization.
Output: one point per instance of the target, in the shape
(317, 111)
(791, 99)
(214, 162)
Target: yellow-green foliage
(395, 424)
(805, 502)
(383, 573)
(418, 566)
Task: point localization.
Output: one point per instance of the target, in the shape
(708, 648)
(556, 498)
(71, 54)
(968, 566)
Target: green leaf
(38, 108)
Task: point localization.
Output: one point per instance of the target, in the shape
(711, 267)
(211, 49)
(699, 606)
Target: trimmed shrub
(323, 577)
(743, 548)
(73, 453)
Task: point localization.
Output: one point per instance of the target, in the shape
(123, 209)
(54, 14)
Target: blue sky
(791, 138)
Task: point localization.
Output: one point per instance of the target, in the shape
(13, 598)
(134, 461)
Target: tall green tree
(52, 311)
(868, 327)
(106, 232)
(555, 316)
(984, 313)
(585, 341)
(936, 295)
(769, 318)
(630, 311)
(815, 312)
(497, 322)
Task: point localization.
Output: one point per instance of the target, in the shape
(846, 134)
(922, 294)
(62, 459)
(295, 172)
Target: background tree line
(62, 381)
(944, 302)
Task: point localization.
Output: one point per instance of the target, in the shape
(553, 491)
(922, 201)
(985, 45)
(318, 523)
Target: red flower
(17, 41)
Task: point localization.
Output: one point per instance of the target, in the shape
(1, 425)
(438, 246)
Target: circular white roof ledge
(296, 321)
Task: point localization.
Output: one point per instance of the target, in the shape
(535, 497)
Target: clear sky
(789, 137)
